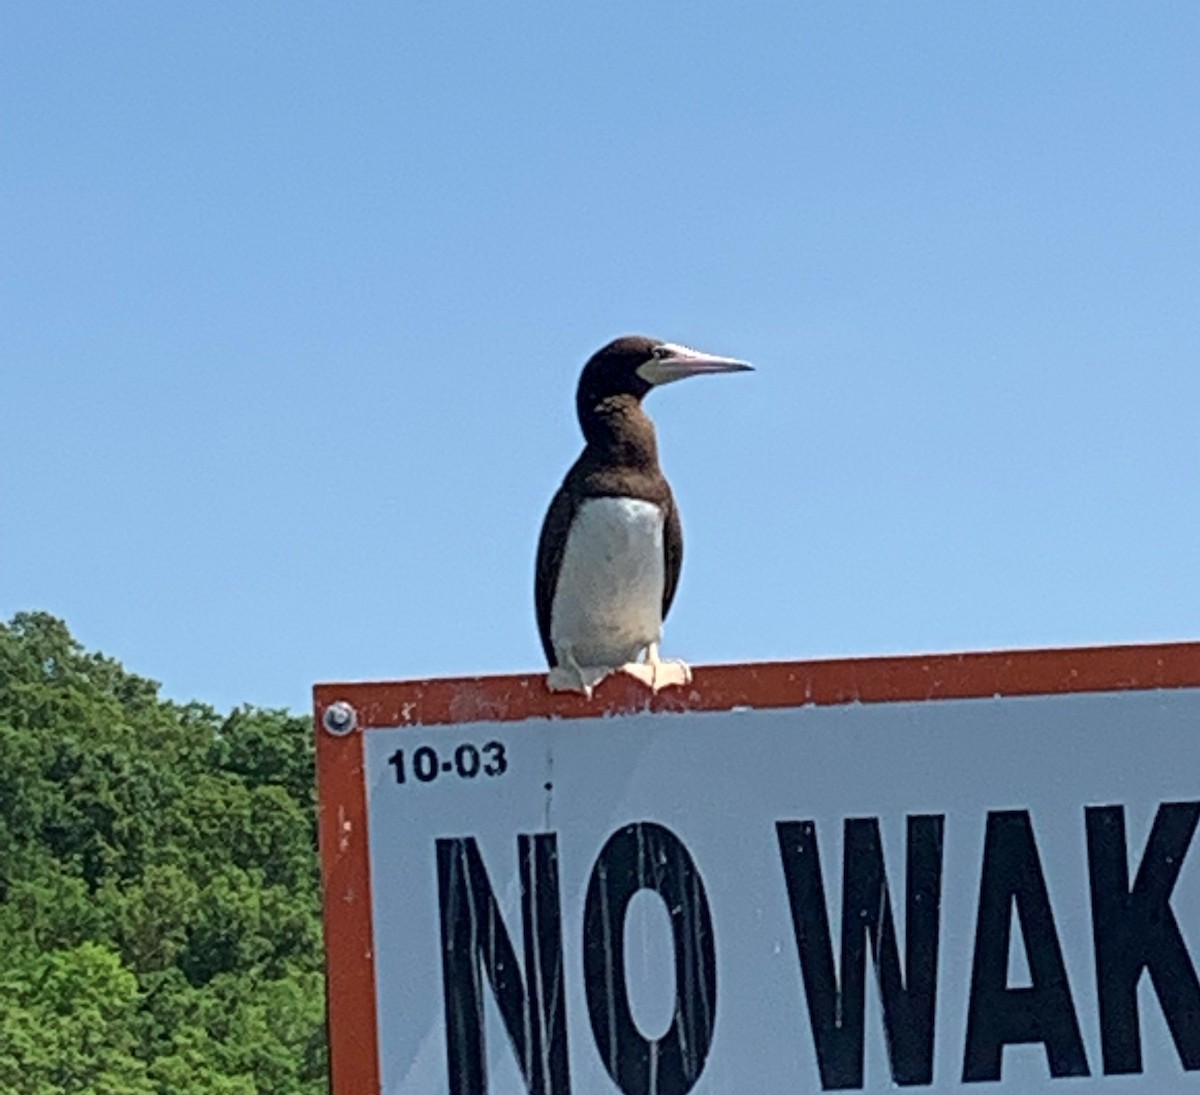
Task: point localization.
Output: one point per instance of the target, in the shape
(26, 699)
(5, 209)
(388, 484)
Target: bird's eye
(660, 352)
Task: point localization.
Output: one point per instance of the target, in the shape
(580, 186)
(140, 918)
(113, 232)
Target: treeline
(159, 897)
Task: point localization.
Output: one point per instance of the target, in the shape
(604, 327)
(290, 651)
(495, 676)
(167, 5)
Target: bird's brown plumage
(620, 460)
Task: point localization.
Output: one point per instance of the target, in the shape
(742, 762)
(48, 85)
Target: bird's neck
(619, 430)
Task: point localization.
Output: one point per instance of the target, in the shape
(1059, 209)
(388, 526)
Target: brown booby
(611, 545)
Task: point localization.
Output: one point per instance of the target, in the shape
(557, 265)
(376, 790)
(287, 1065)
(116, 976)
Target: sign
(955, 873)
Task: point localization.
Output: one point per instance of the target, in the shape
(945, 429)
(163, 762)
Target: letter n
(475, 942)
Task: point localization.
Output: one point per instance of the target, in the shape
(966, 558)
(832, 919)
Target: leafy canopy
(159, 898)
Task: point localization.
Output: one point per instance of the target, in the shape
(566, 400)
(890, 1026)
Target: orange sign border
(341, 787)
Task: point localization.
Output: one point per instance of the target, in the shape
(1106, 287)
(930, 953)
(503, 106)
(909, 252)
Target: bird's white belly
(608, 601)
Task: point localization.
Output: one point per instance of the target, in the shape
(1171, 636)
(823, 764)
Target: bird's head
(634, 364)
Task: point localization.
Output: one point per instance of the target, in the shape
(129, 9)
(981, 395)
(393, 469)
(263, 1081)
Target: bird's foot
(657, 675)
(576, 678)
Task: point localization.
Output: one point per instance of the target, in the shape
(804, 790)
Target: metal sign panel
(788, 877)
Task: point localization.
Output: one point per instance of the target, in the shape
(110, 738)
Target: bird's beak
(679, 362)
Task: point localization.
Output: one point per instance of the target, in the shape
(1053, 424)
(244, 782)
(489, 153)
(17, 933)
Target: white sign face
(986, 894)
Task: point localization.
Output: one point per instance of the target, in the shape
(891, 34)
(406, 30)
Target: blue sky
(293, 299)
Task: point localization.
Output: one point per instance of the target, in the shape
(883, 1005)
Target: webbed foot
(657, 674)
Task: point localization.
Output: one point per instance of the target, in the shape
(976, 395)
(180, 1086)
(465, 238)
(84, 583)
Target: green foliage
(159, 900)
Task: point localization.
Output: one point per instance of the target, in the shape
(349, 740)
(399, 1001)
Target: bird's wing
(672, 553)
(551, 545)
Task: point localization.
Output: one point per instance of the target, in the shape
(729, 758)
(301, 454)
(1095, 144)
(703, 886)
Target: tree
(159, 897)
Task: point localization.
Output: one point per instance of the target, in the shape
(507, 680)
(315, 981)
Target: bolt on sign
(953, 873)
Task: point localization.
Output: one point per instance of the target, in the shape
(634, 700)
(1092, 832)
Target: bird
(611, 544)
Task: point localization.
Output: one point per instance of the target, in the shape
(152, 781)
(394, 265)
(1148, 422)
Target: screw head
(339, 719)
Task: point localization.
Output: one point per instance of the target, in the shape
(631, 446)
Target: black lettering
(1135, 931)
(475, 940)
(1044, 1011)
(637, 857)
(837, 999)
